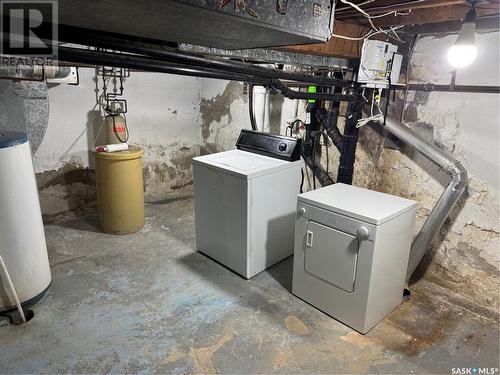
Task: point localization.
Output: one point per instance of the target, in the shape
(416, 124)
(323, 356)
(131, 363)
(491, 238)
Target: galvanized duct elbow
(444, 205)
(34, 72)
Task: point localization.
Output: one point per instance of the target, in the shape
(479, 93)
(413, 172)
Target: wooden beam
(421, 12)
(336, 46)
(434, 15)
(400, 6)
(482, 24)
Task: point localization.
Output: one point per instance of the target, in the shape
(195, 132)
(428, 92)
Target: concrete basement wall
(163, 117)
(465, 257)
(224, 112)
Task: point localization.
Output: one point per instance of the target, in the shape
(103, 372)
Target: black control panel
(275, 146)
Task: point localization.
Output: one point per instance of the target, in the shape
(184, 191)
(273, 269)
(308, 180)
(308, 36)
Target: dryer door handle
(309, 238)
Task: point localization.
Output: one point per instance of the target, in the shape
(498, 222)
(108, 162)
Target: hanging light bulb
(464, 51)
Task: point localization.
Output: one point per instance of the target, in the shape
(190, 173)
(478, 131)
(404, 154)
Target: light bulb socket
(471, 15)
(467, 34)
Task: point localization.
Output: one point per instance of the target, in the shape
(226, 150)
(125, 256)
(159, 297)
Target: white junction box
(245, 209)
(379, 60)
(351, 252)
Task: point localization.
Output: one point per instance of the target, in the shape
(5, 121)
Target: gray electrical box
(229, 24)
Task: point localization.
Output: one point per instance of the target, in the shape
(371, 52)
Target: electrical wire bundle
(390, 31)
(374, 102)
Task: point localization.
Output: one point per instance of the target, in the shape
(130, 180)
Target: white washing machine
(245, 202)
(351, 252)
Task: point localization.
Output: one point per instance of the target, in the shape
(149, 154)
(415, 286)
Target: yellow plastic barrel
(120, 193)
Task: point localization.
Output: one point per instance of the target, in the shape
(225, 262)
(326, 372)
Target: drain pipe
(253, 124)
(448, 198)
(259, 95)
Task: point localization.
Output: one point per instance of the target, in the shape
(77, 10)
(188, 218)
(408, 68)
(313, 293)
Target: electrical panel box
(379, 62)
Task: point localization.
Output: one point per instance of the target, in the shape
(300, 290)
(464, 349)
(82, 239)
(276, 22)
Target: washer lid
(362, 204)
(9, 138)
(242, 163)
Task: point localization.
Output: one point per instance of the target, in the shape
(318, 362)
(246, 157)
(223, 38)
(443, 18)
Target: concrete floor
(148, 302)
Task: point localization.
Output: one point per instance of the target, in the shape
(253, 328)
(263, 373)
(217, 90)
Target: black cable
(314, 158)
(292, 126)
(302, 181)
(250, 107)
(387, 98)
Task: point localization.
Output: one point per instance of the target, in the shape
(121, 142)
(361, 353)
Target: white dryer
(245, 202)
(351, 252)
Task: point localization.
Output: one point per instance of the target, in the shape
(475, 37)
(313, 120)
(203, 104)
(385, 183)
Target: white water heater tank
(22, 237)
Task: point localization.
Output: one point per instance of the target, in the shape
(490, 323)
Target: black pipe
(78, 55)
(485, 89)
(292, 94)
(318, 171)
(332, 119)
(311, 139)
(350, 140)
(81, 56)
(127, 44)
(331, 128)
(250, 107)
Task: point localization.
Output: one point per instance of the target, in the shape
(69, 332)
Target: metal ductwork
(34, 72)
(447, 200)
(212, 23)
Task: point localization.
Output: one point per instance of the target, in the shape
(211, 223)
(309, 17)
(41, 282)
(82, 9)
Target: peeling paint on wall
(220, 112)
(214, 109)
(167, 168)
(70, 188)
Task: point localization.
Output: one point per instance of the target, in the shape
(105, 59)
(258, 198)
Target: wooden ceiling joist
(416, 12)
(416, 15)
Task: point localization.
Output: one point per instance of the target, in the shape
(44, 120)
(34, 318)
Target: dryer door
(331, 255)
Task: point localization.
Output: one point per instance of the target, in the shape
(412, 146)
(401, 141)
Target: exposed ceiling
(414, 12)
(416, 17)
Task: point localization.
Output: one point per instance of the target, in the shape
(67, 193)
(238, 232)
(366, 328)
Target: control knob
(362, 233)
(282, 147)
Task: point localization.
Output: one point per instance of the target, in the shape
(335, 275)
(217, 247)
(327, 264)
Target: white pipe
(12, 289)
(259, 106)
